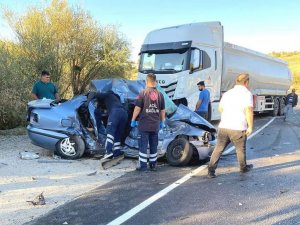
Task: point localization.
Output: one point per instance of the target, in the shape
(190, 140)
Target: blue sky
(261, 25)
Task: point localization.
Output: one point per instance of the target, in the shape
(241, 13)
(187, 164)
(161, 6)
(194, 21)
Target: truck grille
(170, 89)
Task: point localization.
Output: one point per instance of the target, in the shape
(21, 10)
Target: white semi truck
(181, 56)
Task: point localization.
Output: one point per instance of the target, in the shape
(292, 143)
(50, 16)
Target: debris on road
(284, 191)
(38, 200)
(29, 155)
(92, 174)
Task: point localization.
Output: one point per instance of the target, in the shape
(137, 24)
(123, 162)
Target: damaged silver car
(72, 128)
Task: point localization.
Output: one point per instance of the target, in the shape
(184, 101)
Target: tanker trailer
(181, 56)
(270, 78)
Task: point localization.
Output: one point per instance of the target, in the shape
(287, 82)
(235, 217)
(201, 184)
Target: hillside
(293, 59)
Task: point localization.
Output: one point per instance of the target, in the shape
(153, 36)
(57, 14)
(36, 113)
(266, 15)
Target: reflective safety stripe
(117, 143)
(118, 147)
(143, 155)
(153, 159)
(153, 155)
(110, 137)
(142, 159)
(109, 140)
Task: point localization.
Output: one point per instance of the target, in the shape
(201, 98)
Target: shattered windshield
(163, 62)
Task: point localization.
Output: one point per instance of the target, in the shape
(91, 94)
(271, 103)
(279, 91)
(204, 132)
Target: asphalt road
(269, 194)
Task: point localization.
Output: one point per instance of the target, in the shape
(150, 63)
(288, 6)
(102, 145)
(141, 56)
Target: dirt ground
(59, 180)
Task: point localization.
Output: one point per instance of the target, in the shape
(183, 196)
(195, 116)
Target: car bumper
(44, 138)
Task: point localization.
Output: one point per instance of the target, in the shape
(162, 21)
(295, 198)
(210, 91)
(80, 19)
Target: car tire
(179, 152)
(70, 148)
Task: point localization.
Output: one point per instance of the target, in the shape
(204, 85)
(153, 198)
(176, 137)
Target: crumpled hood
(183, 113)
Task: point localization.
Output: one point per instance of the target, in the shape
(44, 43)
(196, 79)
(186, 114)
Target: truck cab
(181, 56)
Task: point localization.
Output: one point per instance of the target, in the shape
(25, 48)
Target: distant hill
(293, 59)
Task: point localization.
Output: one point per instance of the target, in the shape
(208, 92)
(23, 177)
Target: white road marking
(129, 214)
(251, 136)
(126, 216)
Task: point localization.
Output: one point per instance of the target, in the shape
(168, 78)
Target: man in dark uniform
(116, 123)
(150, 106)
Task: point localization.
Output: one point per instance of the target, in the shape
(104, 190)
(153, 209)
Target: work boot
(141, 169)
(153, 168)
(247, 168)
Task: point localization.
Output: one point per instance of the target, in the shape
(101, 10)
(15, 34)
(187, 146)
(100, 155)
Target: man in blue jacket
(203, 101)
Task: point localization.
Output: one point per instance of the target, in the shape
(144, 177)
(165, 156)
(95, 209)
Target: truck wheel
(275, 110)
(70, 148)
(281, 107)
(179, 152)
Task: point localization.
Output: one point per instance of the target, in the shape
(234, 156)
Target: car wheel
(179, 152)
(71, 147)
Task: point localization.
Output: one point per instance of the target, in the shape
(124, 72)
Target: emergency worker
(116, 123)
(150, 107)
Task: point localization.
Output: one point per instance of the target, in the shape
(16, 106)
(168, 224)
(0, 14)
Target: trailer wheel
(179, 152)
(70, 148)
(275, 110)
(281, 106)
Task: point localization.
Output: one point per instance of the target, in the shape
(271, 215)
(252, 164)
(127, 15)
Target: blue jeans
(151, 138)
(225, 136)
(288, 109)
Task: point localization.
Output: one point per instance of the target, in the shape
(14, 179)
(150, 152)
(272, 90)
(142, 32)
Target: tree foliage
(64, 40)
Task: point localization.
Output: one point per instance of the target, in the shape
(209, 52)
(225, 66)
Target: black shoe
(153, 168)
(247, 168)
(141, 169)
(211, 175)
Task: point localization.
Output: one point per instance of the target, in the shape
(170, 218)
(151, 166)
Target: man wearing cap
(203, 101)
(44, 88)
(236, 107)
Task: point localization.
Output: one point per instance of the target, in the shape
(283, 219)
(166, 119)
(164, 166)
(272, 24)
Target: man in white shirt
(236, 107)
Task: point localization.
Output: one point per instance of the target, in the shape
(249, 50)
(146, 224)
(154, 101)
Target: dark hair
(151, 77)
(45, 72)
(201, 83)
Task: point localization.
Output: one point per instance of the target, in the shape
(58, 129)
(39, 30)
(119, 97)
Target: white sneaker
(108, 155)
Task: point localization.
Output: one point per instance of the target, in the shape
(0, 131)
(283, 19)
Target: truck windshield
(163, 62)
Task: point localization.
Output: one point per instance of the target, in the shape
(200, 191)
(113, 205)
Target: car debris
(29, 155)
(38, 200)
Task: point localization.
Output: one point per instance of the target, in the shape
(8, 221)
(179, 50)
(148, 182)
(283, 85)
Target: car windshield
(163, 62)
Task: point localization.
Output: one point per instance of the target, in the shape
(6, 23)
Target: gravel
(59, 180)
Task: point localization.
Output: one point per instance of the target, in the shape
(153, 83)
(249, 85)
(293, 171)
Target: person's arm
(57, 98)
(136, 112)
(162, 115)
(34, 96)
(198, 104)
(249, 118)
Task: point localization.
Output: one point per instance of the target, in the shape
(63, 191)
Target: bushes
(12, 110)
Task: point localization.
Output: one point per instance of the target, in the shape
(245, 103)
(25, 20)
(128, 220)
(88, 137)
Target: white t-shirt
(234, 103)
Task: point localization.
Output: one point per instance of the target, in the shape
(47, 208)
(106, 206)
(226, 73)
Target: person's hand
(249, 131)
(162, 124)
(133, 123)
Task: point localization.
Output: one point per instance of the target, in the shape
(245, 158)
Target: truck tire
(281, 106)
(209, 112)
(179, 152)
(70, 148)
(275, 110)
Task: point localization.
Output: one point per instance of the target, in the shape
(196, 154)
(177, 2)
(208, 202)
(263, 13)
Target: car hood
(183, 113)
